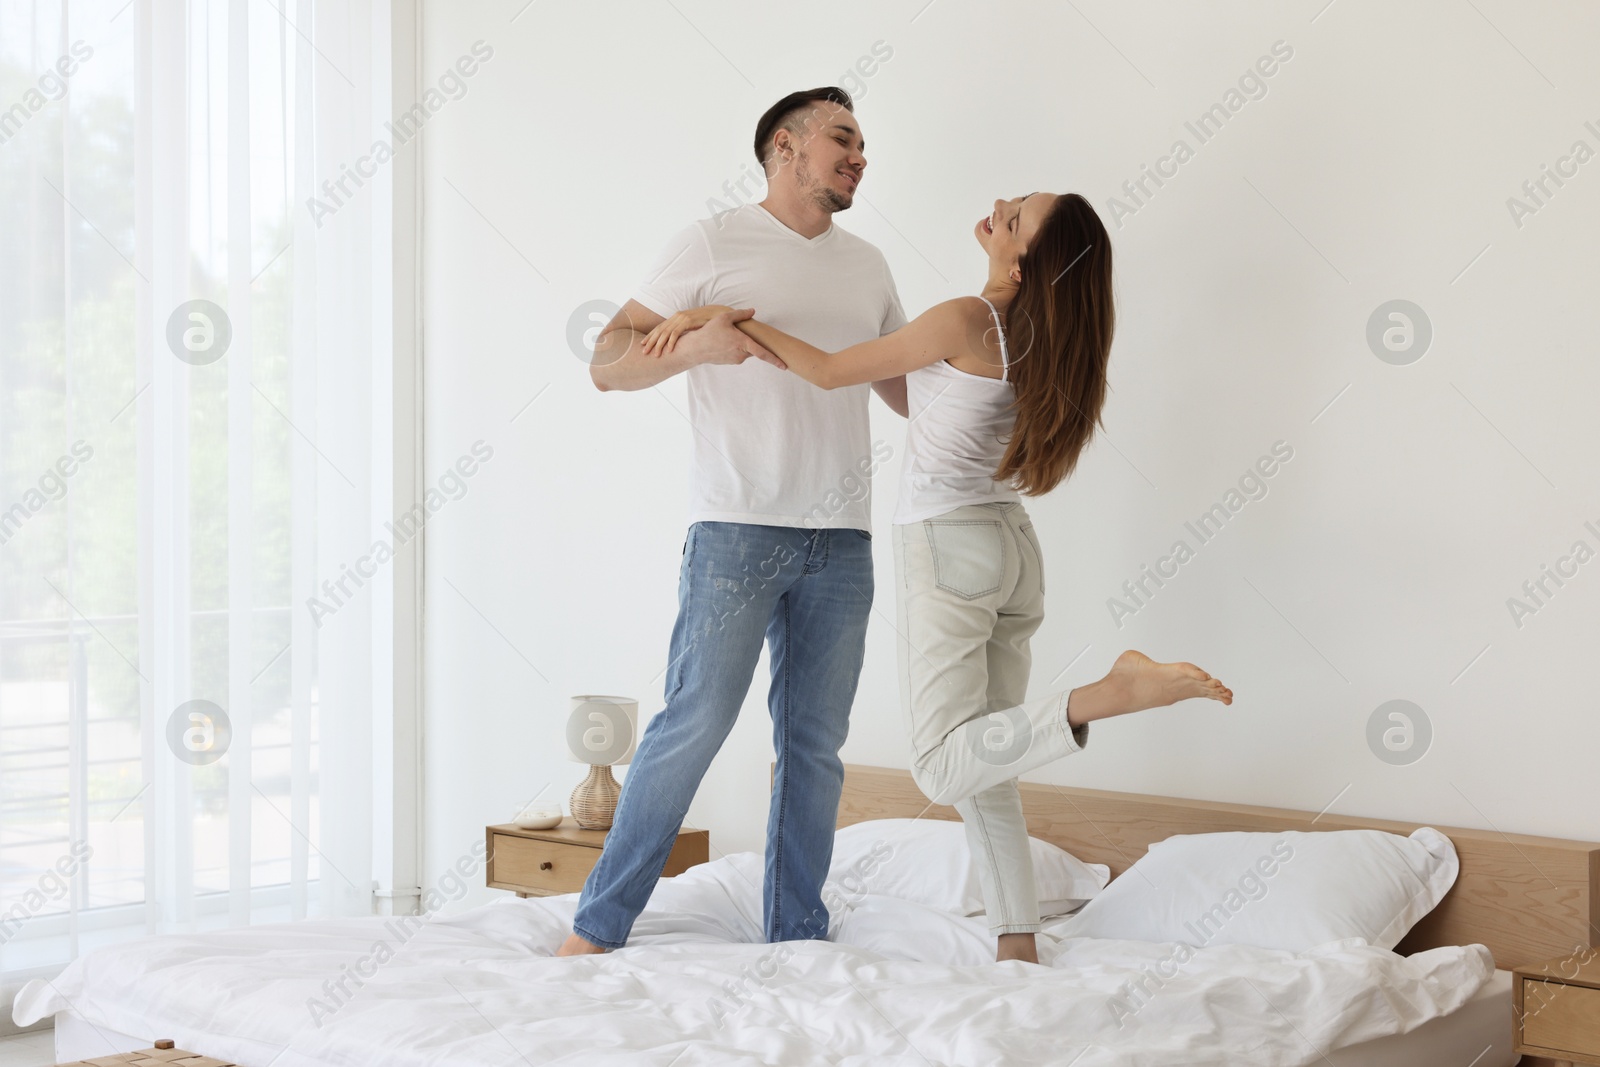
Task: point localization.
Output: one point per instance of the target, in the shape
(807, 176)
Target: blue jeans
(808, 593)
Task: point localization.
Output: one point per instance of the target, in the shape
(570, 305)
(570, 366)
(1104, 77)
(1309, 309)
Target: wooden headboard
(1528, 899)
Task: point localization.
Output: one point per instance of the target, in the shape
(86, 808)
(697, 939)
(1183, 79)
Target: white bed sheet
(696, 986)
(1477, 1033)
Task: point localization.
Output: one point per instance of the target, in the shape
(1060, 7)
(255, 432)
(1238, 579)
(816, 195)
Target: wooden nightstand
(1557, 1008)
(543, 863)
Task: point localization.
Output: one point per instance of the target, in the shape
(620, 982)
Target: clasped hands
(723, 340)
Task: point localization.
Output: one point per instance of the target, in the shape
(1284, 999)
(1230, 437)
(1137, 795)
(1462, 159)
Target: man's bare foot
(577, 946)
(1137, 682)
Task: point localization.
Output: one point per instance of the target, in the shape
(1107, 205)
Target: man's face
(828, 156)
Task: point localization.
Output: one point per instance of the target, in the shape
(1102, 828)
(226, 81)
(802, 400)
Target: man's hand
(621, 363)
(719, 341)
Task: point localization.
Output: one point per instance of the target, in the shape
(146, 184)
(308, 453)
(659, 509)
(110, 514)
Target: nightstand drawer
(1560, 1016)
(542, 863)
(541, 867)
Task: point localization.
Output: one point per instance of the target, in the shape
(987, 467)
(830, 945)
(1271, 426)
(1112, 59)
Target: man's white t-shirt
(769, 447)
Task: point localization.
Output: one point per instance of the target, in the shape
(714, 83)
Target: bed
(900, 983)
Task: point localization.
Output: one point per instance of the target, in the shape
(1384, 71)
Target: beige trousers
(971, 595)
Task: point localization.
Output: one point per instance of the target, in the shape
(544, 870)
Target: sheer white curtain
(194, 450)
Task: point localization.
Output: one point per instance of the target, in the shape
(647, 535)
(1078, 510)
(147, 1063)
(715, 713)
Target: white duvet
(898, 984)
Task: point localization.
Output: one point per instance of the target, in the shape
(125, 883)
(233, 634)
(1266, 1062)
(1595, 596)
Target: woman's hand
(664, 338)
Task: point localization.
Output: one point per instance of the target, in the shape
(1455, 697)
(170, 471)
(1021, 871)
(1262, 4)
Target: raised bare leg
(1137, 682)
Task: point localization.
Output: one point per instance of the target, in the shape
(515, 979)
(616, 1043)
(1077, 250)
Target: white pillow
(927, 861)
(1293, 890)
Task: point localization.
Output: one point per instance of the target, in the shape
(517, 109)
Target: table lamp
(600, 732)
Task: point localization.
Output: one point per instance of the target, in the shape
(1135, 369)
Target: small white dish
(538, 817)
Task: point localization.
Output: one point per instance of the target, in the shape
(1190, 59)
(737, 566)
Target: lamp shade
(601, 729)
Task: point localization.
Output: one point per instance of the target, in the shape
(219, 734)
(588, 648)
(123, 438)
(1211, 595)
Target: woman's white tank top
(954, 439)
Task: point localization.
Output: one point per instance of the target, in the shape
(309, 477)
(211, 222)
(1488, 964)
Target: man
(776, 546)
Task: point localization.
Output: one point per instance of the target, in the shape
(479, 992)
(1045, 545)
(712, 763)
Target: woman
(1003, 392)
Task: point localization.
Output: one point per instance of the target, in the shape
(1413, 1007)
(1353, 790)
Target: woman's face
(1006, 233)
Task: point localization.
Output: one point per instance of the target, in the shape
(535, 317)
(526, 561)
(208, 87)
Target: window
(194, 441)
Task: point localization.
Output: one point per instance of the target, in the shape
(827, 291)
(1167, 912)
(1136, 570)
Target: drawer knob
(546, 865)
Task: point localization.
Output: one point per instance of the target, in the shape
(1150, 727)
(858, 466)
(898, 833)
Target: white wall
(1377, 166)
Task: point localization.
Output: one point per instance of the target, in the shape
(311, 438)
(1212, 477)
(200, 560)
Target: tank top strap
(1005, 358)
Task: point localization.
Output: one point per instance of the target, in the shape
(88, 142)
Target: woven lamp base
(594, 802)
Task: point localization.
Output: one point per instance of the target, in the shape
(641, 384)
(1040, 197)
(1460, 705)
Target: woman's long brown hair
(1058, 332)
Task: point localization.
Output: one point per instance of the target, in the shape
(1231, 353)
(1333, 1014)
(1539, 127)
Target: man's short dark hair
(780, 113)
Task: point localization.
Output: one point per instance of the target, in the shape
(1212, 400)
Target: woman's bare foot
(577, 946)
(1137, 682)
(1017, 947)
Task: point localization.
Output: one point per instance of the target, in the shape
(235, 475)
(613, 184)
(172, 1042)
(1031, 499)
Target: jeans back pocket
(968, 556)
